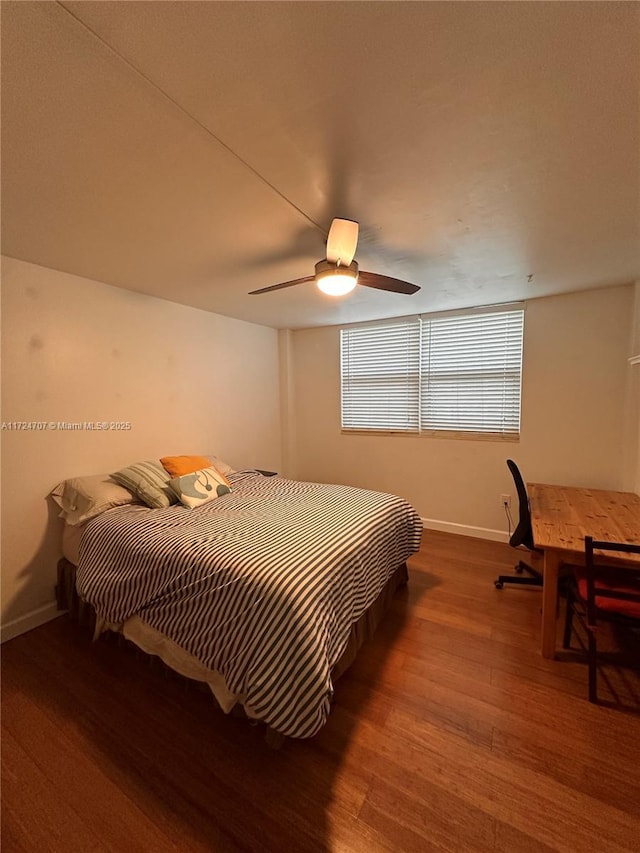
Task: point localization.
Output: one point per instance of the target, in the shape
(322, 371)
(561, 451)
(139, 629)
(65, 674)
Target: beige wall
(575, 377)
(633, 397)
(77, 350)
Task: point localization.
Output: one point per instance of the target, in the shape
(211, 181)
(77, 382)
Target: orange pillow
(178, 466)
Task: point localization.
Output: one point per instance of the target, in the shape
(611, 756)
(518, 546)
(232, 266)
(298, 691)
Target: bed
(265, 594)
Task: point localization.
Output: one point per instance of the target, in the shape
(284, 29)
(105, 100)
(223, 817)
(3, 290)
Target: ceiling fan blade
(385, 282)
(342, 241)
(283, 284)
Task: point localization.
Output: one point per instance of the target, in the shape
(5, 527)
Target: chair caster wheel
(498, 584)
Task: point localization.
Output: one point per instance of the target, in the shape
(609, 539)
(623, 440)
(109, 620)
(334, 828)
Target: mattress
(71, 536)
(261, 586)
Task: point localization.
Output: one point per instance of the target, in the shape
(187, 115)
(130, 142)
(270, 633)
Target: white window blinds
(380, 367)
(451, 372)
(471, 366)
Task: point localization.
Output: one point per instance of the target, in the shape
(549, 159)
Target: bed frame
(83, 613)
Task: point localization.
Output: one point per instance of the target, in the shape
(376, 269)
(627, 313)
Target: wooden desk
(561, 516)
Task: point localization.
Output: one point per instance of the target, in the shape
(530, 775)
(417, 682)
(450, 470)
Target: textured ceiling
(477, 144)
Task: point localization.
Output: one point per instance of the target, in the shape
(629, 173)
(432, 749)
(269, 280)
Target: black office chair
(522, 535)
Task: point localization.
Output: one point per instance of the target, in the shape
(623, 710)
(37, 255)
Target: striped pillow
(149, 482)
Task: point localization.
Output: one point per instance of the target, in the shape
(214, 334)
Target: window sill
(452, 434)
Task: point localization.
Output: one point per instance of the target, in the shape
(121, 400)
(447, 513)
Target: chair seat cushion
(614, 581)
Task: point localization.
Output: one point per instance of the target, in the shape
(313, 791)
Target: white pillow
(82, 498)
(224, 468)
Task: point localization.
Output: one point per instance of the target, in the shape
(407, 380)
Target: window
(381, 376)
(453, 372)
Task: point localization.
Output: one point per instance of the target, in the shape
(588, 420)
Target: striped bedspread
(261, 585)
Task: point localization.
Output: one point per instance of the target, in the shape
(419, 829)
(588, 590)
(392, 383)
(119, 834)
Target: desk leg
(549, 602)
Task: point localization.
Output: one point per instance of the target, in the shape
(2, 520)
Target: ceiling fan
(338, 274)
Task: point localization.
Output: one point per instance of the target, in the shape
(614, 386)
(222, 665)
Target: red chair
(602, 593)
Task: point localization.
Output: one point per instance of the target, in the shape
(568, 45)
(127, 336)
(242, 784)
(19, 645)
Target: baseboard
(465, 530)
(30, 620)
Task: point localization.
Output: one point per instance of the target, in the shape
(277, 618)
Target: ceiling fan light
(337, 284)
(336, 280)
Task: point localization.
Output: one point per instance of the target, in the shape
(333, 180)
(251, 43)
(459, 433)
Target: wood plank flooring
(450, 732)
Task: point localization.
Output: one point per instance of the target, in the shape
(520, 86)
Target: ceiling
(198, 150)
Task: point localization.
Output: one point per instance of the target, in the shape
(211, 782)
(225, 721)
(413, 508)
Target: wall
(573, 410)
(632, 441)
(77, 350)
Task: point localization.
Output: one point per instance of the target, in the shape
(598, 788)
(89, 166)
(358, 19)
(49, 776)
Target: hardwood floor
(450, 732)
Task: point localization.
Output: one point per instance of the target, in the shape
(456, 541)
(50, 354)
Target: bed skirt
(83, 613)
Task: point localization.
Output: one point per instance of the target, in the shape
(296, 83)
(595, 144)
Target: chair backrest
(628, 580)
(523, 534)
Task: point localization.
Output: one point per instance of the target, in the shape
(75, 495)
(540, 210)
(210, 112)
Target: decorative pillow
(200, 487)
(149, 482)
(176, 466)
(82, 498)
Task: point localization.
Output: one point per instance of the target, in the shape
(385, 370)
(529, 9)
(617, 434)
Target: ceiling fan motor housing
(324, 268)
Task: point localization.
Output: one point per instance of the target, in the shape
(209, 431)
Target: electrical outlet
(505, 501)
